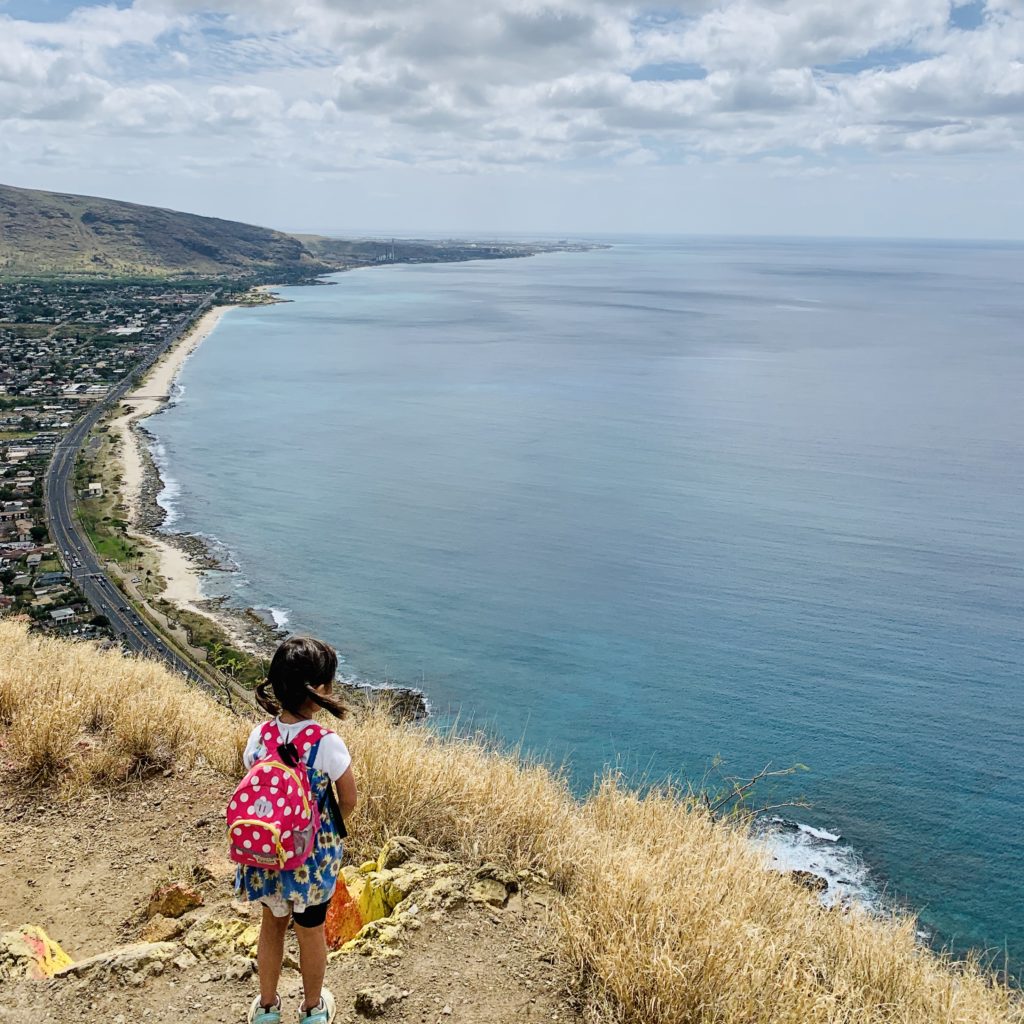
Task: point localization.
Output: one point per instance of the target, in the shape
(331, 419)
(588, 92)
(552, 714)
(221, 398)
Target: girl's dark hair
(299, 664)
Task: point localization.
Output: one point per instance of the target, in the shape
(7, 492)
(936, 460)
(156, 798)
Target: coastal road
(84, 565)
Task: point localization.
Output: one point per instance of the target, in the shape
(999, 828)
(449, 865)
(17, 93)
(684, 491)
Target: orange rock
(174, 900)
(343, 917)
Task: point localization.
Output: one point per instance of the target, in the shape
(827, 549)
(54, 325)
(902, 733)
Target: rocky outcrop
(127, 964)
(173, 901)
(218, 938)
(809, 880)
(374, 1000)
(28, 952)
(407, 882)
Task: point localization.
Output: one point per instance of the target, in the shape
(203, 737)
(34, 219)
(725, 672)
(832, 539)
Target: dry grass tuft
(78, 715)
(668, 917)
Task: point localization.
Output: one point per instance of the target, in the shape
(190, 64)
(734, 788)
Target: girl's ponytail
(300, 664)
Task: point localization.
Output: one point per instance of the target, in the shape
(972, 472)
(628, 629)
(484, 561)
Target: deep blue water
(661, 502)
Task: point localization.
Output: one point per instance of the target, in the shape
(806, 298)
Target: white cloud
(459, 87)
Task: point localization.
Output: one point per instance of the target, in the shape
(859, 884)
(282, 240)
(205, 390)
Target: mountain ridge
(55, 233)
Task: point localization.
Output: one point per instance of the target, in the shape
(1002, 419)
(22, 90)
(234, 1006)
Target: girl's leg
(270, 955)
(312, 963)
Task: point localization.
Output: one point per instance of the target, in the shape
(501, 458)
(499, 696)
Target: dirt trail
(84, 871)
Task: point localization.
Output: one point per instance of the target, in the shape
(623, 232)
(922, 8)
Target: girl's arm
(346, 787)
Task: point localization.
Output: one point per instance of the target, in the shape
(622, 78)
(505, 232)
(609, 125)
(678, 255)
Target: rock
(28, 952)
(374, 1000)
(184, 960)
(212, 938)
(130, 964)
(389, 898)
(809, 880)
(239, 969)
(489, 891)
(162, 929)
(174, 900)
(508, 878)
(397, 850)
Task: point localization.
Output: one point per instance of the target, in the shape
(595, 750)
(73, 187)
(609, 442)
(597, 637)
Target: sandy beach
(180, 571)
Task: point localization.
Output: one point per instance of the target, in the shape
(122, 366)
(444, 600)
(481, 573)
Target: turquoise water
(658, 503)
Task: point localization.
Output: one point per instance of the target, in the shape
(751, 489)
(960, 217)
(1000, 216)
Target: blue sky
(860, 117)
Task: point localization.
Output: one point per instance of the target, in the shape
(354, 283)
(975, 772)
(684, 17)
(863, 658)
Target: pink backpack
(272, 816)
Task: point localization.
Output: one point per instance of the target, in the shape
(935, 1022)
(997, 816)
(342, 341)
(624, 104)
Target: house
(60, 615)
(49, 579)
(33, 561)
(95, 489)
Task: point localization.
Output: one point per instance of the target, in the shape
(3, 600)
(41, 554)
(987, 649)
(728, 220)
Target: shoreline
(182, 558)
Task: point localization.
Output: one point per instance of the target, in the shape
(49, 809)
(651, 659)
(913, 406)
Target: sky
(885, 118)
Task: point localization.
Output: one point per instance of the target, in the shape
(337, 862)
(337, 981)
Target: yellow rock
(213, 938)
(163, 929)
(30, 952)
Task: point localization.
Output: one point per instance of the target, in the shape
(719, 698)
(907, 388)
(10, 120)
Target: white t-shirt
(332, 755)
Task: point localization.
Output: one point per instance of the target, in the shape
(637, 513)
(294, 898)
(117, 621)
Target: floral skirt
(308, 885)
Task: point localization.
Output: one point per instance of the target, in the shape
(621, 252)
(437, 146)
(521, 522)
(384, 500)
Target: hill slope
(664, 915)
(54, 233)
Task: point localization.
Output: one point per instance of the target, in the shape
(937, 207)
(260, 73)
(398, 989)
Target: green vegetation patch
(204, 633)
(107, 537)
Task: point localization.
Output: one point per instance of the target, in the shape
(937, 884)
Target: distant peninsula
(51, 234)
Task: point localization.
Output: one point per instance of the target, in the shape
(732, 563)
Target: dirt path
(85, 871)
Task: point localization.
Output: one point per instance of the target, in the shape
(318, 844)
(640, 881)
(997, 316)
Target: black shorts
(311, 917)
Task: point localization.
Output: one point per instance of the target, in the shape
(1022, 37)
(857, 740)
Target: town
(64, 345)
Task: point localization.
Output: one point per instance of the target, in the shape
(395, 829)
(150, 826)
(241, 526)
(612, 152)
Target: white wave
(819, 833)
(171, 489)
(792, 846)
(280, 616)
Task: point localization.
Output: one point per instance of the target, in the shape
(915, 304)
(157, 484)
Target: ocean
(657, 505)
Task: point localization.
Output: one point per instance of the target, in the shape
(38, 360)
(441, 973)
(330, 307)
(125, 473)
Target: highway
(82, 562)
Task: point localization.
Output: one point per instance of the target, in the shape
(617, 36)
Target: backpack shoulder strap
(270, 736)
(307, 742)
(331, 798)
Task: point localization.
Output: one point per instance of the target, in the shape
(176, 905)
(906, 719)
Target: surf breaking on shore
(795, 846)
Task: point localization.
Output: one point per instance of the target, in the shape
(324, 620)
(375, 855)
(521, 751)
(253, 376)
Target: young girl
(298, 682)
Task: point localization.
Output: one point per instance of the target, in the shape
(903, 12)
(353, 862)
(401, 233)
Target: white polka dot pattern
(271, 796)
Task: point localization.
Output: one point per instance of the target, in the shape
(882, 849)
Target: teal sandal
(260, 1014)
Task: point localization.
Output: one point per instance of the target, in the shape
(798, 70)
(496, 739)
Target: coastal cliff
(505, 900)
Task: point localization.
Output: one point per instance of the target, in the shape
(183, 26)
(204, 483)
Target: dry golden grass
(668, 917)
(73, 714)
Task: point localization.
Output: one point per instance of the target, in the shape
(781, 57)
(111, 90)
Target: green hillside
(52, 233)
